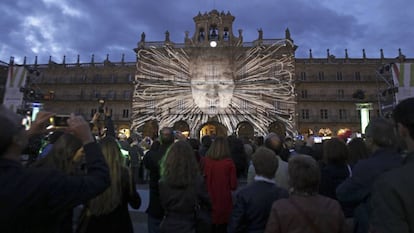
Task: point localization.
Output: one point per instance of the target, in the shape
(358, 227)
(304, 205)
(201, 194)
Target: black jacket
(152, 163)
(118, 220)
(252, 206)
(35, 199)
(179, 205)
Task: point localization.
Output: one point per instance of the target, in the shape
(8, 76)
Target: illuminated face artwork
(232, 86)
(212, 84)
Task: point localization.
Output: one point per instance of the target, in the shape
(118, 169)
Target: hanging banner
(16, 79)
(403, 78)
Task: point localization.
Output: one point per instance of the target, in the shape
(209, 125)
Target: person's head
(304, 174)
(357, 150)
(265, 162)
(179, 167)
(206, 141)
(289, 143)
(335, 151)
(13, 138)
(403, 115)
(219, 149)
(62, 154)
(273, 142)
(111, 197)
(166, 136)
(212, 83)
(380, 133)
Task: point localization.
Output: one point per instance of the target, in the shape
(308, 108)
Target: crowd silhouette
(272, 183)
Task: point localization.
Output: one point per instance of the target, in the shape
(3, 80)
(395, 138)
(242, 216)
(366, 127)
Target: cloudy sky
(70, 27)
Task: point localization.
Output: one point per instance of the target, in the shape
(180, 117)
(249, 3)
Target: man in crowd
(393, 196)
(35, 199)
(357, 189)
(152, 163)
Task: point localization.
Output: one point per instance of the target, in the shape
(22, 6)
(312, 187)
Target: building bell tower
(214, 29)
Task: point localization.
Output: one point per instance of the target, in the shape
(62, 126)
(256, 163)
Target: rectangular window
(127, 95)
(303, 76)
(342, 114)
(341, 94)
(357, 76)
(339, 76)
(305, 114)
(125, 113)
(304, 94)
(324, 113)
(321, 76)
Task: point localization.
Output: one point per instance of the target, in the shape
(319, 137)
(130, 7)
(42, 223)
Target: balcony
(330, 119)
(334, 98)
(86, 97)
(333, 78)
(84, 80)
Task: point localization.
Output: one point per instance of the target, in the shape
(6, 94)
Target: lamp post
(364, 109)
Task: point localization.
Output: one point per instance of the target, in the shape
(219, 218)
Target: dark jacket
(324, 212)
(118, 220)
(331, 177)
(35, 199)
(392, 200)
(179, 205)
(252, 206)
(152, 163)
(357, 189)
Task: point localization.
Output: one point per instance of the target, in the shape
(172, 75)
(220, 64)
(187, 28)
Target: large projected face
(212, 84)
(199, 84)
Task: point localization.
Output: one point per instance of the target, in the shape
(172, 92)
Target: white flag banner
(16, 79)
(403, 78)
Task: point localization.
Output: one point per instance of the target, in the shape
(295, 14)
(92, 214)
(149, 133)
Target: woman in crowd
(357, 150)
(108, 212)
(305, 210)
(220, 176)
(65, 155)
(334, 170)
(182, 189)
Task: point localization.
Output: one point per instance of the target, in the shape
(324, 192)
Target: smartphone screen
(59, 120)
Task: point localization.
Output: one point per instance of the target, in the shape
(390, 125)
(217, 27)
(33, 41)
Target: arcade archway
(183, 127)
(278, 128)
(245, 130)
(150, 129)
(213, 128)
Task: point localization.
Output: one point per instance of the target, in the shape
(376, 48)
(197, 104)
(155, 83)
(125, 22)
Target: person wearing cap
(34, 199)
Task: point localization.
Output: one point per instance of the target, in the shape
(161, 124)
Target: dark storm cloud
(70, 27)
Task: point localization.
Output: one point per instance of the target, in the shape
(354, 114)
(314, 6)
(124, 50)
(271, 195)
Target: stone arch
(245, 129)
(277, 127)
(214, 128)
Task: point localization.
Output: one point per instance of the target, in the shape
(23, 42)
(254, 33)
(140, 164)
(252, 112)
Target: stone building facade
(215, 83)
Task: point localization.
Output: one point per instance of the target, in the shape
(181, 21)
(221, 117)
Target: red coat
(221, 179)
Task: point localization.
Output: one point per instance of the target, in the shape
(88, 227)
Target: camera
(59, 121)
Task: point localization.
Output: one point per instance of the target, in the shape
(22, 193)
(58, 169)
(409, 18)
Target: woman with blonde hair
(108, 212)
(220, 176)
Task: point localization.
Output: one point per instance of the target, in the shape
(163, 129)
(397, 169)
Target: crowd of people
(358, 185)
